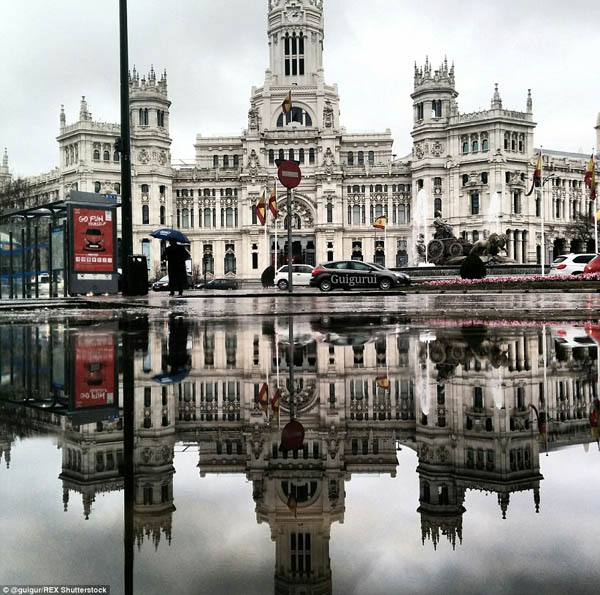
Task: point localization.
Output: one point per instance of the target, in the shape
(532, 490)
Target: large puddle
(158, 455)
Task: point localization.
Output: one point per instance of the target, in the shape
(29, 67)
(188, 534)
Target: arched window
(236, 161)
(378, 188)
(225, 160)
(116, 157)
(465, 179)
(298, 115)
(271, 157)
(163, 215)
(371, 157)
(185, 218)
(350, 158)
(301, 155)
(145, 214)
(281, 154)
(361, 158)
(207, 217)
(465, 147)
(484, 144)
(378, 210)
(437, 205)
(311, 156)
(215, 161)
(291, 153)
(475, 146)
(97, 186)
(228, 217)
(106, 156)
(356, 215)
(96, 155)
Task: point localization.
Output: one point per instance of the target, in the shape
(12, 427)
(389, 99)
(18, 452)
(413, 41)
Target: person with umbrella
(176, 255)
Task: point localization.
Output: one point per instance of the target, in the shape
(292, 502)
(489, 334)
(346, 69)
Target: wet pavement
(149, 446)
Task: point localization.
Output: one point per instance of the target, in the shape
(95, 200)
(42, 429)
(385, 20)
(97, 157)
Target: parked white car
(570, 264)
(301, 274)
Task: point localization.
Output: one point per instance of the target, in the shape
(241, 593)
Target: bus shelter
(61, 248)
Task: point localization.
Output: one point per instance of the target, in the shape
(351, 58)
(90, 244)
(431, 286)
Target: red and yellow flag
(380, 222)
(263, 397)
(261, 210)
(537, 175)
(590, 178)
(273, 202)
(275, 403)
(286, 106)
(383, 382)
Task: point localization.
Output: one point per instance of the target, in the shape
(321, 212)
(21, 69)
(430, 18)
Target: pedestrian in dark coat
(176, 255)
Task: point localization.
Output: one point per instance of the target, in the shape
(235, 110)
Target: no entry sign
(289, 174)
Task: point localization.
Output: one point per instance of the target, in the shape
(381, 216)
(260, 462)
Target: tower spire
(529, 102)
(496, 99)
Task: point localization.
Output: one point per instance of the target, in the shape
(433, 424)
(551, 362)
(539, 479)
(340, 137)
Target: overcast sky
(216, 50)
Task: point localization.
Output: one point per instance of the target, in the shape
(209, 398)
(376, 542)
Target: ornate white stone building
(461, 160)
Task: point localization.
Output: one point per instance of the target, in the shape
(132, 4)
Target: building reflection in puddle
(478, 403)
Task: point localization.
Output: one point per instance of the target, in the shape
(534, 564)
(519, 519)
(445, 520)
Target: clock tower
(295, 33)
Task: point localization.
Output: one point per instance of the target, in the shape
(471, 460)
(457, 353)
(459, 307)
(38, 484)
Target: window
(484, 178)
(207, 217)
(185, 218)
(419, 111)
(437, 206)
(301, 155)
(475, 203)
(96, 155)
(350, 158)
(145, 188)
(291, 154)
(485, 144)
(271, 157)
(225, 160)
(117, 188)
(465, 147)
(517, 203)
(215, 161)
(465, 179)
(143, 117)
(145, 214)
(293, 54)
(229, 217)
(311, 156)
(160, 118)
(475, 146)
(116, 156)
(281, 154)
(230, 263)
(361, 158)
(329, 212)
(163, 215)
(106, 156)
(97, 186)
(371, 158)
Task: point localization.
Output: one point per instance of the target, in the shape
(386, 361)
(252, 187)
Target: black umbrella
(170, 234)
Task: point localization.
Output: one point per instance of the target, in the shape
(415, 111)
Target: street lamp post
(542, 205)
(125, 148)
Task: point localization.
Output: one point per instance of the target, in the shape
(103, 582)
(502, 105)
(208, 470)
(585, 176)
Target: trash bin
(137, 276)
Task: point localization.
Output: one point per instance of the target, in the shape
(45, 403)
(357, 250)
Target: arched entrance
(303, 235)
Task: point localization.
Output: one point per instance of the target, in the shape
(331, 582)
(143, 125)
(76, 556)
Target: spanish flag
(537, 175)
(273, 202)
(383, 382)
(263, 397)
(286, 106)
(261, 211)
(590, 178)
(380, 222)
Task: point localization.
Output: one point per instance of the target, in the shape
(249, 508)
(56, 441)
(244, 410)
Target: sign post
(289, 175)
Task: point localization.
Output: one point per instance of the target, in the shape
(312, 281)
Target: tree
(14, 195)
(581, 233)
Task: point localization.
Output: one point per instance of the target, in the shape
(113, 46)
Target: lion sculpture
(491, 247)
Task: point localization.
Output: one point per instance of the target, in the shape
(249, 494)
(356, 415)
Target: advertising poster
(93, 249)
(94, 370)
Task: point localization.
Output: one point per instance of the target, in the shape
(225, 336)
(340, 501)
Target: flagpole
(275, 217)
(266, 232)
(385, 244)
(542, 207)
(595, 202)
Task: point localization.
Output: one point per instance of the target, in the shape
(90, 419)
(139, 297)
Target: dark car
(350, 274)
(222, 284)
(163, 283)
